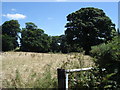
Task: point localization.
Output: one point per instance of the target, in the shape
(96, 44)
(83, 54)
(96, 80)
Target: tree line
(32, 39)
(85, 28)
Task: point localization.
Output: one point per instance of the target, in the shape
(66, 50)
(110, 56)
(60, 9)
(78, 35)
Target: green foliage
(87, 27)
(96, 78)
(30, 26)
(34, 39)
(64, 46)
(92, 79)
(107, 54)
(55, 44)
(59, 44)
(10, 30)
(8, 43)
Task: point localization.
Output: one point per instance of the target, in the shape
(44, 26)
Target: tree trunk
(87, 50)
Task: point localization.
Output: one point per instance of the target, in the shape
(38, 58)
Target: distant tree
(34, 39)
(64, 46)
(59, 44)
(55, 44)
(31, 26)
(8, 43)
(1, 38)
(87, 27)
(118, 31)
(10, 30)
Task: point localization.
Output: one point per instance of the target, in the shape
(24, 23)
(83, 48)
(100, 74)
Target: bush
(92, 79)
(107, 54)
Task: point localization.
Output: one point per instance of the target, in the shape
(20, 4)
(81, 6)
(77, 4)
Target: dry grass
(37, 62)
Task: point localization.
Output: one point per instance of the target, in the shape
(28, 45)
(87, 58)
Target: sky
(51, 16)
(60, 0)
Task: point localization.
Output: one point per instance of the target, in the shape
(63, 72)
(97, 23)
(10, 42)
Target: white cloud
(49, 18)
(15, 16)
(13, 9)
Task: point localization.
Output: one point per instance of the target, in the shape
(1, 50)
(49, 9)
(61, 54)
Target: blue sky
(51, 16)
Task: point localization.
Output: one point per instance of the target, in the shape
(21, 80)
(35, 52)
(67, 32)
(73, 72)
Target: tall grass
(34, 70)
(34, 80)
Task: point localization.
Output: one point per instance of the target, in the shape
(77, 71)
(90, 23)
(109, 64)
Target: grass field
(26, 64)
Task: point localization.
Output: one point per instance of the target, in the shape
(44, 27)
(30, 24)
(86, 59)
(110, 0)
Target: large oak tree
(87, 27)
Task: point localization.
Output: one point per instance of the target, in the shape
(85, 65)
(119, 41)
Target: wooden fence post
(61, 79)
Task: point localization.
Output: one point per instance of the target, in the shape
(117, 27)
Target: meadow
(30, 70)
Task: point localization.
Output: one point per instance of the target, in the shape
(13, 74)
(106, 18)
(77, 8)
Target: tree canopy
(87, 27)
(10, 30)
(34, 39)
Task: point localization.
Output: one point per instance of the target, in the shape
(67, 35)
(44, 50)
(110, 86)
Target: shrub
(107, 54)
(92, 79)
(95, 78)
